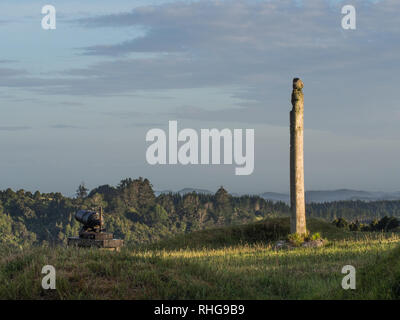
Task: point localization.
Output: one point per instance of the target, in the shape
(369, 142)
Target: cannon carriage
(93, 233)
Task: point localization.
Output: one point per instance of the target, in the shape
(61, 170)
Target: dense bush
(385, 224)
(132, 210)
(134, 213)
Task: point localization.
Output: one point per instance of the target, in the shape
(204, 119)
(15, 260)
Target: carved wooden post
(297, 201)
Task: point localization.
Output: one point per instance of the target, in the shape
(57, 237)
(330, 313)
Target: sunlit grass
(238, 270)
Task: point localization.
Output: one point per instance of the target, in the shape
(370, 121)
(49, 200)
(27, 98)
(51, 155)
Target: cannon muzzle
(90, 219)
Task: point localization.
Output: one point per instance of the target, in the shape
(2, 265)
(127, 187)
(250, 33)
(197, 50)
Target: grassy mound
(227, 263)
(260, 232)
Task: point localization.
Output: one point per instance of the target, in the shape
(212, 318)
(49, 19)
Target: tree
(82, 191)
(386, 224)
(223, 200)
(341, 223)
(355, 226)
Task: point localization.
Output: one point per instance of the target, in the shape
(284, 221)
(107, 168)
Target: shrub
(316, 236)
(295, 239)
(355, 226)
(387, 224)
(341, 223)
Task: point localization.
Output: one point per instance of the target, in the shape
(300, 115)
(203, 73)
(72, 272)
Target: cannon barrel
(88, 218)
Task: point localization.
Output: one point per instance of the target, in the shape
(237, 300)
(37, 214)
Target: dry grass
(236, 269)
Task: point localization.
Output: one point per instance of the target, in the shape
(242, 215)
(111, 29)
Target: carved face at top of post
(297, 94)
(298, 84)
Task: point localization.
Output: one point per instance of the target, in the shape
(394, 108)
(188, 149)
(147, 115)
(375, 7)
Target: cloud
(217, 43)
(247, 50)
(70, 104)
(250, 44)
(219, 26)
(65, 126)
(8, 61)
(14, 128)
(9, 72)
(148, 125)
(252, 47)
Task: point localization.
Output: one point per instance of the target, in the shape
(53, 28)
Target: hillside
(224, 263)
(254, 233)
(134, 213)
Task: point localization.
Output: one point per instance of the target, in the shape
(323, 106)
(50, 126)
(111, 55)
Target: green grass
(226, 263)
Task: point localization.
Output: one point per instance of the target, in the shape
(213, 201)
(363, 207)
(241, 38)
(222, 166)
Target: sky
(76, 102)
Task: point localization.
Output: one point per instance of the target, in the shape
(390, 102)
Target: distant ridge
(274, 196)
(335, 195)
(184, 191)
(316, 196)
(190, 190)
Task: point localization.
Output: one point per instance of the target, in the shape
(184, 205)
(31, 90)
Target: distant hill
(157, 193)
(313, 196)
(335, 195)
(274, 196)
(184, 191)
(190, 190)
(341, 195)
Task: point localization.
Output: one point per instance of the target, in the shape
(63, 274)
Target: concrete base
(110, 244)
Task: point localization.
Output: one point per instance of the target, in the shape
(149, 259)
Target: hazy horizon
(72, 193)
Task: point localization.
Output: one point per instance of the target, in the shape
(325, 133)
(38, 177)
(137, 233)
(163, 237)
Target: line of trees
(383, 225)
(363, 211)
(132, 210)
(134, 213)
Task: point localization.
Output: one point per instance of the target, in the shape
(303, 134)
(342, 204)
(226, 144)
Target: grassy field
(228, 263)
